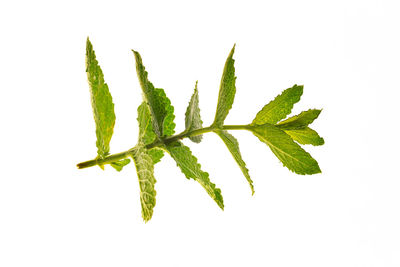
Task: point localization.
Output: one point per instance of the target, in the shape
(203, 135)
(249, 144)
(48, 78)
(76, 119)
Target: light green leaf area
(299, 121)
(192, 116)
(192, 169)
(285, 149)
(168, 122)
(227, 90)
(280, 107)
(233, 146)
(103, 107)
(145, 171)
(146, 132)
(306, 136)
(161, 110)
(156, 154)
(118, 165)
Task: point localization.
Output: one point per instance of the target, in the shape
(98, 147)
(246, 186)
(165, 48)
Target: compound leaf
(227, 90)
(103, 107)
(160, 106)
(233, 146)
(280, 107)
(192, 116)
(285, 149)
(118, 165)
(145, 171)
(306, 136)
(192, 169)
(299, 121)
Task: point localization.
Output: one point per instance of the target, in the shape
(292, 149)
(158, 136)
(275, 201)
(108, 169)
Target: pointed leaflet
(280, 107)
(299, 121)
(189, 166)
(233, 146)
(118, 165)
(160, 106)
(145, 171)
(227, 90)
(192, 116)
(103, 107)
(146, 133)
(306, 136)
(287, 151)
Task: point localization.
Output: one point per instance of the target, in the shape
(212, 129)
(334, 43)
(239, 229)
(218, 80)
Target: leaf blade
(227, 90)
(299, 121)
(118, 165)
(192, 169)
(233, 146)
(192, 116)
(102, 105)
(160, 106)
(286, 150)
(280, 107)
(306, 136)
(146, 132)
(145, 171)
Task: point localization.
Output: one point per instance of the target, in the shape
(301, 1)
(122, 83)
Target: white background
(347, 55)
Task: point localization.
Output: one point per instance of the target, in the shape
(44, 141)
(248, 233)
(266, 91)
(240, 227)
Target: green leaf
(161, 110)
(287, 151)
(192, 116)
(103, 107)
(146, 132)
(227, 90)
(118, 165)
(145, 171)
(306, 136)
(233, 146)
(191, 169)
(299, 121)
(156, 154)
(280, 107)
(168, 123)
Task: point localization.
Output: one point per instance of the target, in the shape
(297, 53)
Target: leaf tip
(322, 141)
(232, 50)
(299, 87)
(136, 54)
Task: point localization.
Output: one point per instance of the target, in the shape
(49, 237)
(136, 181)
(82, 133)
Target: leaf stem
(106, 160)
(158, 143)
